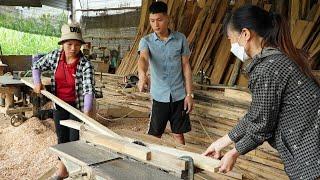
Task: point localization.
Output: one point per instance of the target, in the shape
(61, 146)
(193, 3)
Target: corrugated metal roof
(62, 4)
(31, 3)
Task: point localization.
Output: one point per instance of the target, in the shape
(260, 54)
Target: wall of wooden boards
(203, 26)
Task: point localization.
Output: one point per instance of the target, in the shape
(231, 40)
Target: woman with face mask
(285, 108)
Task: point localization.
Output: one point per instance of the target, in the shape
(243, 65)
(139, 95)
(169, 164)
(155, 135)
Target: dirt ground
(24, 149)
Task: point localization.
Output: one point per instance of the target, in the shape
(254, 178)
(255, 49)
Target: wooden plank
(206, 52)
(294, 13)
(304, 35)
(202, 162)
(237, 95)
(297, 32)
(122, 146)
(314, 49)
(314, 13)
(202, 34)
(83, 117)
(235, 72)
(159, 159)
(242, 80)
(120, 112)
(204, 48)
(71, 124)
(222, 60)
(228, 74)
(304, 8)
(217, 112)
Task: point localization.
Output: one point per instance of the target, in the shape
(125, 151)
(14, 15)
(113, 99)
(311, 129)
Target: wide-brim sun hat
(71, 32)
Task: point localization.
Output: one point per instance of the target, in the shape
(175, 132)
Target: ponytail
(274, 30)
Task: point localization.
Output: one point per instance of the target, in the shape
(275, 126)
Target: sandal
(57, 177)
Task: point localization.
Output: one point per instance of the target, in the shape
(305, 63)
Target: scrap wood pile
(202, 23)
(215, 114)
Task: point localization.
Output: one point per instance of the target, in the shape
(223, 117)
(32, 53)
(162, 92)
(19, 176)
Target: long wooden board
(83, 117)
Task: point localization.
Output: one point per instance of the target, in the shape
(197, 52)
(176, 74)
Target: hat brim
(64, 40)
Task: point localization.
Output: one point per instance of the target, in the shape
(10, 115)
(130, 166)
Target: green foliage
(45, 25)
(19, 43)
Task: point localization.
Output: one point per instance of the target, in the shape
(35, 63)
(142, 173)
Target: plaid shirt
(285, 111)
(84, 80)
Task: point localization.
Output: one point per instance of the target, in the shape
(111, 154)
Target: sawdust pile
(24, 149)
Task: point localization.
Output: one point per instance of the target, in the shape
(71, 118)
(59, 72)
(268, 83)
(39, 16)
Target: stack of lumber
(216, 112)
(305, 28)
(202, 23)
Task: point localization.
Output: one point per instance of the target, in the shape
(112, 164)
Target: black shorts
(163, 112)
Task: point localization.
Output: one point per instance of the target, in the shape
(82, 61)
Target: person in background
(168, 53)
(72, 82)
(285, 107)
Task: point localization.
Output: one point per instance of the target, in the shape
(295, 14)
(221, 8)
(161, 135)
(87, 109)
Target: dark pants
(65, 134)
(174, 113)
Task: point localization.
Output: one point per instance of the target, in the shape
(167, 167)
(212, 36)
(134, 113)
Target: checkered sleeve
(46, 62)
(88, 81)
(239, 130)
(261, 118)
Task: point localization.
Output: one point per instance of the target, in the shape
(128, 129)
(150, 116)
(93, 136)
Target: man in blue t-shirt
(168, 54)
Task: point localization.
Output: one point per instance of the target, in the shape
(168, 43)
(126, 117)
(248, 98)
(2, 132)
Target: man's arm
(187, 73)
(143, 65)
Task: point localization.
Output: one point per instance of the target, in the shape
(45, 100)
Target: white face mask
(239, 51)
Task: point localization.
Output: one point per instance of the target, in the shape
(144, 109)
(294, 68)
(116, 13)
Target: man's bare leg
(179, 138)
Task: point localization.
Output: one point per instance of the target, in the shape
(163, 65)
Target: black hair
(158, 7)
(275, 31)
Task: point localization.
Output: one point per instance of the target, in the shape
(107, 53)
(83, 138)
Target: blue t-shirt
(166, 65)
